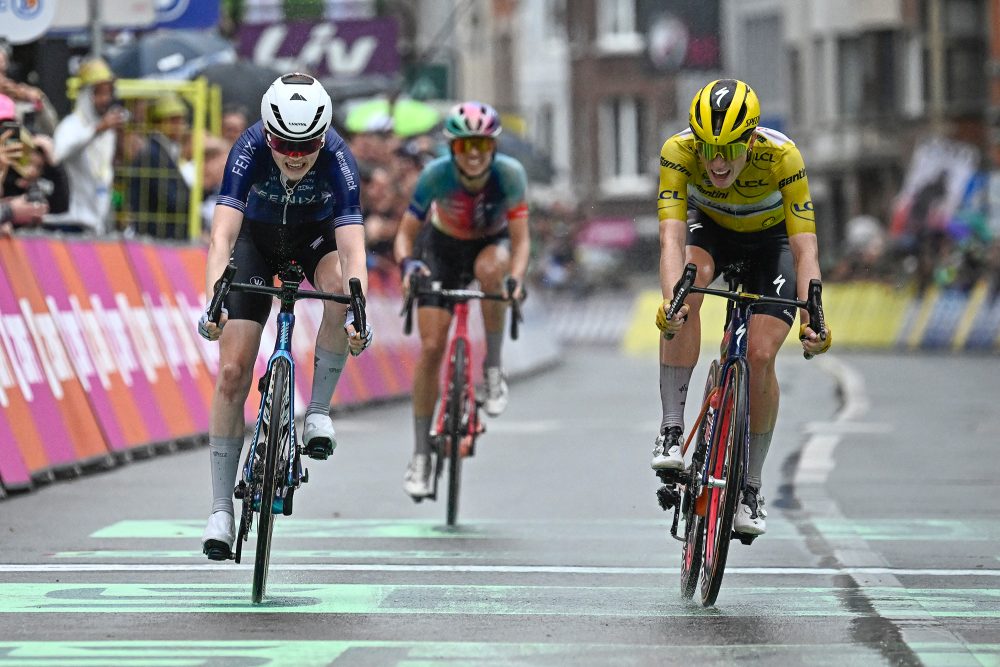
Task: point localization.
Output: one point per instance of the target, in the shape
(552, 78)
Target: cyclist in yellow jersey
(732, 191)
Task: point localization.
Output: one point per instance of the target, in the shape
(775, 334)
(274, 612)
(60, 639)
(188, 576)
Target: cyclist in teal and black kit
(475, 203)
(290, 192)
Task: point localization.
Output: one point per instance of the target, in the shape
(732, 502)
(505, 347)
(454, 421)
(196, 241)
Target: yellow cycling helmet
(724, 112)
(95, 71)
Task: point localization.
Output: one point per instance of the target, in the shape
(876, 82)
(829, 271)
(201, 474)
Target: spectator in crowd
(212, 170)
(15, 210)
(85, 146)
(235, 119)
(30, 96)
(378, 199)
(158, 193)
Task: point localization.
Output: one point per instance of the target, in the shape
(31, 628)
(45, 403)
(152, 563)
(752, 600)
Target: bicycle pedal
(668, 497)
(744, 538)
(218, 551)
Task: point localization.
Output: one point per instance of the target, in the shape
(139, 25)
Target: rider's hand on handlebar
(518, 293)
(411, 267)
(813, 343)
(210, 330)
(357, 343)
(673, 326)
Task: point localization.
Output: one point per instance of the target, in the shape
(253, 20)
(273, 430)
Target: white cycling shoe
(417, 480)
(319, 439)
(497, 393)
(667, 450)
(750, 513)
(220, 533)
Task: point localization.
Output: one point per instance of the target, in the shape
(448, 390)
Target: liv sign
(341, 48)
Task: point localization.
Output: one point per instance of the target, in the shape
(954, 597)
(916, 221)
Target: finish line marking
(498, 569)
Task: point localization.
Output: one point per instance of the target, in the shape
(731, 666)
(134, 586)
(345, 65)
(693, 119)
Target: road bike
(272, 470)
(706, 492)
(457, 423)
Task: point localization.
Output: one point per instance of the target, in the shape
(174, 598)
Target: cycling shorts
(452, 261)
(261, 250)
(766, 255)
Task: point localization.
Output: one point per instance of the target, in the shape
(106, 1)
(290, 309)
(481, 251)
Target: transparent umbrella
(406, 117)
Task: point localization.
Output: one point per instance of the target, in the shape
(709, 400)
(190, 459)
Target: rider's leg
(330, 356)
(678, 358)
(766, 335)
(681, 353)
(237, 352)
(492, 265)
(433, 324)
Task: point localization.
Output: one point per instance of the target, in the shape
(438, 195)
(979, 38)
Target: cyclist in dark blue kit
(290, 192)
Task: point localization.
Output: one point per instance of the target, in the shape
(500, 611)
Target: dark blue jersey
(253, 184)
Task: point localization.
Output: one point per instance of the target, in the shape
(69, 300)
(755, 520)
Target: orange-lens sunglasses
(466, 144)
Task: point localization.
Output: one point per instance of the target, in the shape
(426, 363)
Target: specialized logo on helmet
(719, 96)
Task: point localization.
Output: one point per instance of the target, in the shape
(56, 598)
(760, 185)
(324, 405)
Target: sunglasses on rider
(295, 148)
(466, 144)
(729, 152)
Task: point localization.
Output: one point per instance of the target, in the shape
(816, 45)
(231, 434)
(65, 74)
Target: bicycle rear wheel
(725, 463)
(456, 425)
(279, 402)
(694, 523)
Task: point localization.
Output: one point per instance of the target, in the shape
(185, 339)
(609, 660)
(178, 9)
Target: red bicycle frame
(460, 332)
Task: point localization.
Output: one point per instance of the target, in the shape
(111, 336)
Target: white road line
(498, 569)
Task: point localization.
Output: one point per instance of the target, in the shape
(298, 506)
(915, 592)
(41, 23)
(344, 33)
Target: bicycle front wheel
(279, 402)
(456, 426)
(725, 468)
(694, 523)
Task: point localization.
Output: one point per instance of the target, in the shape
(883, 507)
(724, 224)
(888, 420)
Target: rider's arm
(406, 236)
(520, 245)
(800, 221)
(676, 168)
(226, 223)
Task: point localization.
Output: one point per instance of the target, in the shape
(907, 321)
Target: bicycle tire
(456, 421)
(726, 462)
(694, 524)
(265, 522)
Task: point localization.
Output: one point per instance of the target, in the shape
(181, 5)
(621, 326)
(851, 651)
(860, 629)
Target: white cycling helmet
(296, 108)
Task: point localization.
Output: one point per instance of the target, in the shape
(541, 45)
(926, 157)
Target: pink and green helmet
(472, 119)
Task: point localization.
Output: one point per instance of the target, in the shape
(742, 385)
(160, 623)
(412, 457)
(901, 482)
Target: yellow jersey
(771, 188)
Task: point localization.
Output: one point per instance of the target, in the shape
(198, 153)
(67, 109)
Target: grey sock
(759, 444)
(494, 345)
(673, 394)
(327, 367)
(224, 457)
(421, 434)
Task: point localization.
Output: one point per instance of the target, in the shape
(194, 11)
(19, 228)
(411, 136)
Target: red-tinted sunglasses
(466, 144)
(295, 148)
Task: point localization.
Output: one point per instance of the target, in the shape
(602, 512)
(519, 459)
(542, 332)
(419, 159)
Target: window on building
(622, 167)
(617, 29)
(867, 75)
(965, 54)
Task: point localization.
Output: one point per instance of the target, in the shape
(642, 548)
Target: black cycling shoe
(319, 449)
(216, 550)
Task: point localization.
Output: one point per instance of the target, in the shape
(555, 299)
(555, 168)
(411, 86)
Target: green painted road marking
(620, 601)
(625, 601)
(430, 654)
(868, 529)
